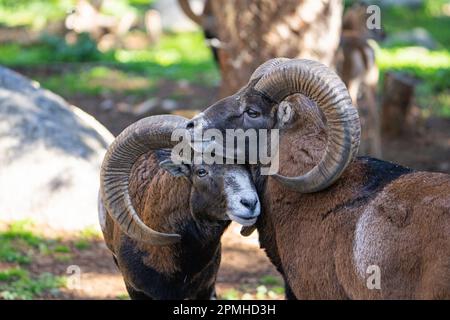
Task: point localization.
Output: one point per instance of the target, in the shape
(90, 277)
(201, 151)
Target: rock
(50, 156)
(124, 107)
(169, 105)
(154, 106)
(107, 105)
(146, 107)
(416, 37)
(183, 84)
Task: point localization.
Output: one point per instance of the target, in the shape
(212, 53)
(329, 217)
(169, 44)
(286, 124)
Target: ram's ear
(175, 169)
(284, 114)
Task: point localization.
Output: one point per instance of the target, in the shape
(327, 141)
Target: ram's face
(219, 192)
(224, 192)
(246, 109)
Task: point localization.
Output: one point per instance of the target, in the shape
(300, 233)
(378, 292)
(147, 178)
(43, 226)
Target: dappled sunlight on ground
(37, 262)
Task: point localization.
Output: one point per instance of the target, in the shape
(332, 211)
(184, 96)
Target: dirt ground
(245, 271)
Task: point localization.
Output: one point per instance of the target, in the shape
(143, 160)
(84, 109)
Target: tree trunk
(253, 31)
(397, 116)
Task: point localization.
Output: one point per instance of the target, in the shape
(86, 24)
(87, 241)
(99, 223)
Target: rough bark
(253, 31)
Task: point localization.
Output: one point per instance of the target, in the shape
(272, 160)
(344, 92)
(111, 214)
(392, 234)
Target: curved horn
(323, 86)
(140, 137)
(266, 67)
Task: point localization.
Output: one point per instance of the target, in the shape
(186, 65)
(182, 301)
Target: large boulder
(50, 156)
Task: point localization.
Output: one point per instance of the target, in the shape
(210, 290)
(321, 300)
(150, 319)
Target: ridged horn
(266, 67)
(326, 89)
(146, 134)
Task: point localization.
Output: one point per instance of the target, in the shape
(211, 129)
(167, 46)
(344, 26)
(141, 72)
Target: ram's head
(258, 106)
(218, 192)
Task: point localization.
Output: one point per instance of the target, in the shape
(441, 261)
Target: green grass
(432, 67)
(17, 283)
(82, 244)
(21, 230)
(182, 56)
(85, 237)
(19, 247)
(12, 274)
(270, 281)
(177, 56)
(123, 296)
(33, 13)
(19, 243)
(61, 249)
(429, 17)
(10, 254)
(63, 257)
(268, 287)
(15, 242)
(90, 233)
(98, 80)
(37, 13)
(263, 293)
(230, 294)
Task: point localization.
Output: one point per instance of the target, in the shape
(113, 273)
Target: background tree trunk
(253, 31)
(397, 109)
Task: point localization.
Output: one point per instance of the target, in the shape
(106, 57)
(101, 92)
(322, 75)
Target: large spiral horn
(144, 135)
(266, 67)
(323, 86)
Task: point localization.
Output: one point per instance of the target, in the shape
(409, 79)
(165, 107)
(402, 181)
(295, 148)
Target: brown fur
(165, 272)
(404, 227)
(148, 194)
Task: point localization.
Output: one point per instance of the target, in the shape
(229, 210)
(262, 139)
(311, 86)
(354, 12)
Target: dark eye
(252, 113)
(202, 172)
